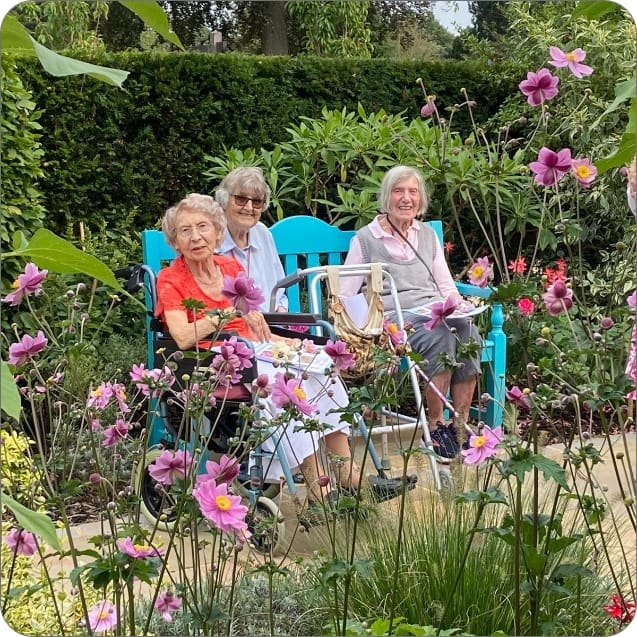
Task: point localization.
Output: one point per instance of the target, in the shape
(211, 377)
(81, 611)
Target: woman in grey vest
(415, 259)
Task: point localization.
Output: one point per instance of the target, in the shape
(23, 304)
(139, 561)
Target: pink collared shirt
(401, 253)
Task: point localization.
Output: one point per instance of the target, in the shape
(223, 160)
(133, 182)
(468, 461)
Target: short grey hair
(394, 176)
(193, 202)
(243, 178)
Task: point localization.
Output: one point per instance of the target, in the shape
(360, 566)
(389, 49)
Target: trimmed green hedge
(109, 152)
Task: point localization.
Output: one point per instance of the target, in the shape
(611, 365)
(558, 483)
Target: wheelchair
(207, 432)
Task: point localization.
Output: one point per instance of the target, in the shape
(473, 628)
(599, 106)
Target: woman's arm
(186, 334)
(442, 274)
(350, 285)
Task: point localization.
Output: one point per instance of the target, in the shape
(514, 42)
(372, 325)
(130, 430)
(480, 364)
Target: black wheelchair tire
(152, 504)
(267, 527)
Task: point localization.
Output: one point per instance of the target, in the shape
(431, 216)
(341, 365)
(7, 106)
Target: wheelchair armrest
(289, 318)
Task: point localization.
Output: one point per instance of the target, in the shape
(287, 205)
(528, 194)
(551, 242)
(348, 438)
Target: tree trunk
(274, 33)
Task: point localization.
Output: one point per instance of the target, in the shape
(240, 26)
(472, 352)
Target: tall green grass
(436, 531)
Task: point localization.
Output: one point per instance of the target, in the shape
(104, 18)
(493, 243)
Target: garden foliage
(110, 152)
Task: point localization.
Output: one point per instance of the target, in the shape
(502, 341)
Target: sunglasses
(241, 200)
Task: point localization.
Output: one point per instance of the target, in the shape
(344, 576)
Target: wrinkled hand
(257, 326)
(465, 306)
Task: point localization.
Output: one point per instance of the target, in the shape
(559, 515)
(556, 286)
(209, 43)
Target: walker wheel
(446, 479)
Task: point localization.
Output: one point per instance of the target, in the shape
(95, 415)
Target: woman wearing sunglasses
(244, 195)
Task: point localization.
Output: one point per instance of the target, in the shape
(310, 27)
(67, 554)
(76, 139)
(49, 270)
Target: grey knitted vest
(413, 280)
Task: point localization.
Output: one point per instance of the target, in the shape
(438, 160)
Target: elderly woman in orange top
(195, 227)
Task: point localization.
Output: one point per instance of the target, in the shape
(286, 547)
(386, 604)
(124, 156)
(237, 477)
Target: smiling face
(243, 210)
(196, 236)
(404, 201)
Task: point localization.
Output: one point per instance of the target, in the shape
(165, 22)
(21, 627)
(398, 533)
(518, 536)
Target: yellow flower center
(223, 502)
(570, 57)
(479, 441)
(97, 392)
(478, 271)
(15, 284)
(393, 328)
(103, 614)
(141, 547)
(583, 171)
(299, 393)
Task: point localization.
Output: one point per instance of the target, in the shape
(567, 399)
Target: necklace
(213, 281)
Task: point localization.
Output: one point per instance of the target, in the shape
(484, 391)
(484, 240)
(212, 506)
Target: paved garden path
(605, 487)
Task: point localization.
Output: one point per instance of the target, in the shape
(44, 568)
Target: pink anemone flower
(482, 446)
(440, 311)
(396, 335)
(170, 465)
(573, 60)
(289, 392)
(430, 107)
(550, 166)
(518, 397)
(226, 470)
(539, 87)
(166, 604)
(480, 272)
(29, 282)
(338, 352)
(102, 617)
(138, 551)
(558, 298)
(584, 171)
(21, 542)
(242, 292)
(217, 505)
(28, 346)
(115, 433)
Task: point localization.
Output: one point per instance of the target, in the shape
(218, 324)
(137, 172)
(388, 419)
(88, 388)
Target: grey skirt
(431, 344)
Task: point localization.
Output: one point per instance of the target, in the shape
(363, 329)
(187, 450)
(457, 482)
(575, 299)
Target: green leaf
(550, 470)
(595, 9)
(624, 91)
(626, 150)
(17, 39)
(32, 521)
(61, 66)
(58, 255)
(10, 397)
(154, 17)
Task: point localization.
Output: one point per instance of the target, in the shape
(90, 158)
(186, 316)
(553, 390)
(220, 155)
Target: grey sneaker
(445, 441)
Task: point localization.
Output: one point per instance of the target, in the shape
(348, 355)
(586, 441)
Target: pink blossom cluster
(541, 86)
(151, 382)
(100, 397)
(234, 356)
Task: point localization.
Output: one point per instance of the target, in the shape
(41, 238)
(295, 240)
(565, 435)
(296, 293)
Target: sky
(452, 15)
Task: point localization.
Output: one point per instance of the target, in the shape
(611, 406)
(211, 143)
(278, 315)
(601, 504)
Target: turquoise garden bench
(304, 241)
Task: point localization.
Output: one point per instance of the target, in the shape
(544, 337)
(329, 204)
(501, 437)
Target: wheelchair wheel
(267, 527)
(155, 504)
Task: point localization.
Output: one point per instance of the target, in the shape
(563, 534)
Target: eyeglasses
(242, 200)
(202, 228)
